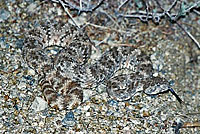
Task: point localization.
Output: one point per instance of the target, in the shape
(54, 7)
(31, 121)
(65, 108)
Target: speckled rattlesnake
(60, 54)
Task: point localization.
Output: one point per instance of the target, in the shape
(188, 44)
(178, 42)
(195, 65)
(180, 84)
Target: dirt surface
(175, 56)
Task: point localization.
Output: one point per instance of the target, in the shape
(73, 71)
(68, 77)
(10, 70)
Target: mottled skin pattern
(60, 55)
(58, 72)
(130, 83)
(61, 93)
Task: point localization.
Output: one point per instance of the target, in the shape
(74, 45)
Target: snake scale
(61, 53)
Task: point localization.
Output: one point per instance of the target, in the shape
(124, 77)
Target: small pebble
(4, 15)
(39, 104)
(31, 7)
(22, 85)
(31, 72)
(146, 114)
(88, 114)
(69, 120)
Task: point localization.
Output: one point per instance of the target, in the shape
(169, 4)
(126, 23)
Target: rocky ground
(174, 55)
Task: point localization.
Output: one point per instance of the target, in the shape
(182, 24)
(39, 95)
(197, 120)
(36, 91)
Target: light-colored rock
(39, 104)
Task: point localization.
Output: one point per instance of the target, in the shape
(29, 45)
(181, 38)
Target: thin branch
(172, 6)
(195, 5)
(103, 27)
(80, 8)
(191, 37)
(197, 12)
(122, 4)
(191, 124)
(66, 10)
(111, 18)
(188, 33)
(142, 15)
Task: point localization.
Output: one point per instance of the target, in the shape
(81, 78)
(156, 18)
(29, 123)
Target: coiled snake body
(60, 54)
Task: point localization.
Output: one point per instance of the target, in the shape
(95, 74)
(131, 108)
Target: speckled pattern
(63, 74)
(173, 55)
(59, 72)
